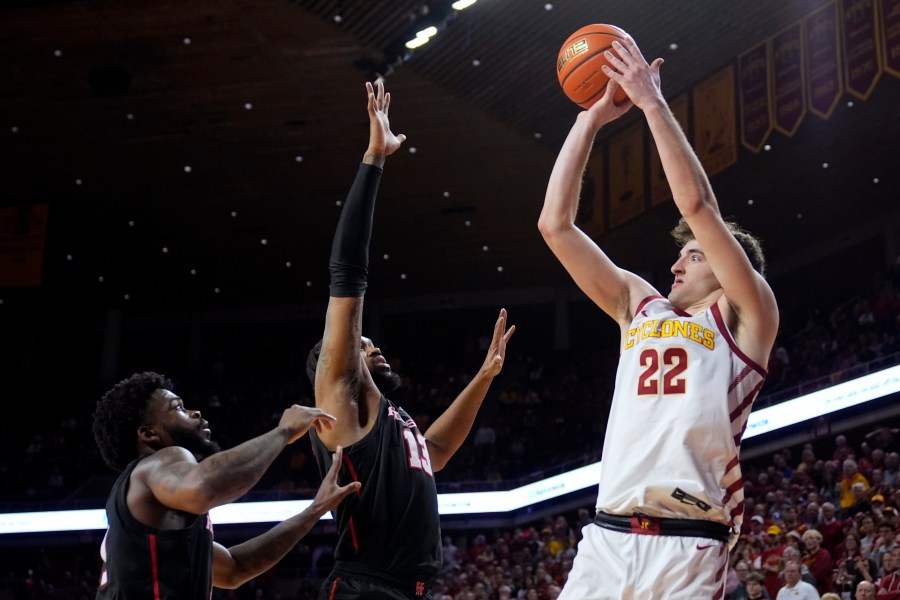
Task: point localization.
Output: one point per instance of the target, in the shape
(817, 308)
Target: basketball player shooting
(670, 499)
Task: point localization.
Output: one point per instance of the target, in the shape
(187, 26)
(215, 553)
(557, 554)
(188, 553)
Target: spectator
(794, 587)
(889, 584)
(831, 529)
(850, 476)
(738, 589)
(770, 560)
(853, 568)
(755, 588)
(865, 591)
(818, 560)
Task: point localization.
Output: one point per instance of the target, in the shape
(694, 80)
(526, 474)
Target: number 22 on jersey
(666, 366)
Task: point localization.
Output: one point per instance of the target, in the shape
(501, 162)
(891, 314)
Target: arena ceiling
(193, 154)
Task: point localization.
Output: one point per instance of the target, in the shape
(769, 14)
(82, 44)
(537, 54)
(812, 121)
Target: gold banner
(590, 216)
(890, 35)
(626, 175)
(755, 96)
(823, 71)
(788, 78)
(23, 230)
(715, 138)
(862, 58)
(659, 185)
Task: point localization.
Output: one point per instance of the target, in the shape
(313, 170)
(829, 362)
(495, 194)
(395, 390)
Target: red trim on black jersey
(334, 588)
(154, 566)
(352, 470)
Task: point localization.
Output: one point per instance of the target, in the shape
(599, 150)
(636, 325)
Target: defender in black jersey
(159, 541)
(389, 542)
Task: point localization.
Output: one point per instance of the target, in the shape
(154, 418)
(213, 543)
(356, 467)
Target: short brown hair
(755, 577)
(751, 245)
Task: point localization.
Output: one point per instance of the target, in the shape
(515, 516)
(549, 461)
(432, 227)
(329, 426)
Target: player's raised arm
(342, 384)
(613, 289)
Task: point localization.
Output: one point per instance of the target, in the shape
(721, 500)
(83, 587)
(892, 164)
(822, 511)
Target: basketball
(578, 65)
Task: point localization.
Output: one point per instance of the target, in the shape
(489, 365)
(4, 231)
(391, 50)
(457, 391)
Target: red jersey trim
(154, 566)
(717, 315)
(644, 303)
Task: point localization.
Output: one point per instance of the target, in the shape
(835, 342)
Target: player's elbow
(552, 226)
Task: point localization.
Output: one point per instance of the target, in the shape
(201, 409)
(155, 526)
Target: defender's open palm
(331, 494)
(382, 141)
(496, 354)
(298, 419)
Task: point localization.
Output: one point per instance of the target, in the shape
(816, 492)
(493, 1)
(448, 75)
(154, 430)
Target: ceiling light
(463, 4)
(422, 37)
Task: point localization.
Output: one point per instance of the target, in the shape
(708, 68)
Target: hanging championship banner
(626, 175)
(754, 95)
(659, 185)
(715, 138)
(890, 36)
(788, 78)
(823, 68)
(23, 230)
(590, 218)
(862, 59)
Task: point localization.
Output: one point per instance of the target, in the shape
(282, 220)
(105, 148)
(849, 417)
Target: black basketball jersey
(141, 562)
(391, 526)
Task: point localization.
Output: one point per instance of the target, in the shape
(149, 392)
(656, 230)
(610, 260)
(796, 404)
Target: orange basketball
(578, 65)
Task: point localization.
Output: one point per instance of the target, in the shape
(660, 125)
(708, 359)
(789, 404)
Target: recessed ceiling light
(412, 149)
(187, 168)
(673, 46)
(187, 41)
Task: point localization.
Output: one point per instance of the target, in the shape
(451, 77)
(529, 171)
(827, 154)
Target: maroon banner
(659, 185)
(626, 175)
(823, 63)
(23, 230)
(862, 61)
(890, 36)
(788, 78)
(755, 97)
(715, 129)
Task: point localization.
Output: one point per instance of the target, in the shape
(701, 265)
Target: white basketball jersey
(683, 394)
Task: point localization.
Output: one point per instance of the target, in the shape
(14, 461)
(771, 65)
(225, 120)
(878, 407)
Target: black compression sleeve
(349, 263)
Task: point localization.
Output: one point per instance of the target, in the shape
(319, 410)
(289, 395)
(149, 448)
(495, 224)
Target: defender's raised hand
(496, 354)
(382, 141)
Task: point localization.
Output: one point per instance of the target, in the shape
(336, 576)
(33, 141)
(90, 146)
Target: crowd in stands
(820, 518)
